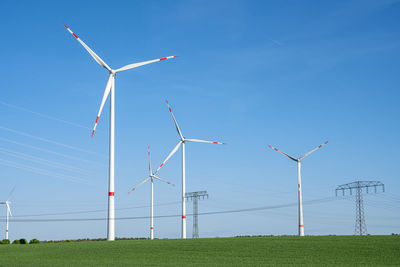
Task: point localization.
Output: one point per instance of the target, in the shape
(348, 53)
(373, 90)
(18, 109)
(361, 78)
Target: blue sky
(291, 74)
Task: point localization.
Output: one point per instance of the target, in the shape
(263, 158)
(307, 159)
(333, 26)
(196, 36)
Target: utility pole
(195, 196)
(358, 186)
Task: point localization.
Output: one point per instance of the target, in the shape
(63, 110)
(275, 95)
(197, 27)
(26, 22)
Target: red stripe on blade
(92, 133)
(163, 58)
(97, 119)
(75, 35)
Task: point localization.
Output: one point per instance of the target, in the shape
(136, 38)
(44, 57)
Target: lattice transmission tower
(196, 196)
(358, 186)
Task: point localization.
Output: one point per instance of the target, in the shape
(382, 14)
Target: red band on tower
(111, 194)
(183, 217)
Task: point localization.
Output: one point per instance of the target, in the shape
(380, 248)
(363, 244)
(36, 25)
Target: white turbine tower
(8, 210)
(151, 177)
(110, 91)
(298, 160)
(182, 142)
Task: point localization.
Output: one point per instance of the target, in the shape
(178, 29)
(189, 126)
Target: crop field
(238, 251)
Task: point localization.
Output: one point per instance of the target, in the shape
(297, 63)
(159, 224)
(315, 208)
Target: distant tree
(34, 241)
(5, 241)
(23, 241)
(16, 241)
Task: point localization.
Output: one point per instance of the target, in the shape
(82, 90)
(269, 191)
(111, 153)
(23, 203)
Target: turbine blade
(8, 208)
(103, 101)
(202, 141)
(148, 151)
(93, 54)
(287, 155)
(308, 153)
(135, 65)
(11, 192)
(176, 124)
(142, 182)
(170, 155)
(156, 177)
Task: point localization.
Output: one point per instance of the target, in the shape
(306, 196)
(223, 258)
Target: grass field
(243, 251)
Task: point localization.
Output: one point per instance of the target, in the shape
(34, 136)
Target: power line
(43, 161)
(48, 151)
(51, 141)
(43, 172)
(91, 211)
(44, 115)
(315, 201)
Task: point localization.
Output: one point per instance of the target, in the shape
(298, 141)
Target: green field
(243, 251)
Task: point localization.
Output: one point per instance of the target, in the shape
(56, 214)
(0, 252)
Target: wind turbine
(110, 91)
(151, 177)
(8, 210)
(298, 160)
(182, 142)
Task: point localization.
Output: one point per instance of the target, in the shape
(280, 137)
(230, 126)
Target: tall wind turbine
(8, 210)
(182, 142)
(110, 91)
(298, 160)
(151, 177)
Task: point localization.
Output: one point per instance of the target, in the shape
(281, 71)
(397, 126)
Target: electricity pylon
(195, 196)
(360, 226)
